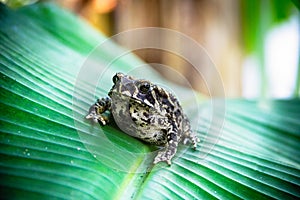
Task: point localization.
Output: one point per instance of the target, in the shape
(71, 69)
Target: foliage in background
(43, 157)
(17, 3)
(258, 17)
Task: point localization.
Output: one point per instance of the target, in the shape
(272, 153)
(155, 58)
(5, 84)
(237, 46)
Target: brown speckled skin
(145, 111)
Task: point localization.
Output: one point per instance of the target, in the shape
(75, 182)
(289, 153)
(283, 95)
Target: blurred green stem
(297, 87)
(264, 24)
(17, 3)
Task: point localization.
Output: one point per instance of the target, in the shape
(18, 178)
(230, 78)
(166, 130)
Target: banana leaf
(49, 151)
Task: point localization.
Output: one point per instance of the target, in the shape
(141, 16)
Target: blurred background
(253, 43)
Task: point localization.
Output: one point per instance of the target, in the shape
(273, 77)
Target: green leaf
(48, 150)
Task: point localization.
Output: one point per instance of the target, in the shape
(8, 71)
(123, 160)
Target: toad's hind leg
(96, 112)
(188, 135)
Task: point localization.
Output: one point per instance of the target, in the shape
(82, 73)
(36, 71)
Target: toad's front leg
(171, 147)
(96, 110)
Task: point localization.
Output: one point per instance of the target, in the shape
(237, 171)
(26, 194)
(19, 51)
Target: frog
(146, 111)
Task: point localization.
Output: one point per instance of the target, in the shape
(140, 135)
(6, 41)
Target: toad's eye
(144, 87)
(115, 79)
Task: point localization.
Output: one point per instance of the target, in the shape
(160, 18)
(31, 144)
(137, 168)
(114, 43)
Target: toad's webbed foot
(164, 156)
(96, 110)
